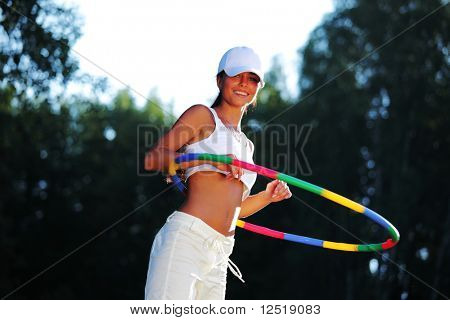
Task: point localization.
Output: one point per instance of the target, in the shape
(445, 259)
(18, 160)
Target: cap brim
(231, 72)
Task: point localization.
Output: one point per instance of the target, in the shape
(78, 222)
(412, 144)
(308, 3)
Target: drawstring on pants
(234, 269)
(217, 245)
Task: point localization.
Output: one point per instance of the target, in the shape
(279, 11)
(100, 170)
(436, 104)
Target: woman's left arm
(275, 191)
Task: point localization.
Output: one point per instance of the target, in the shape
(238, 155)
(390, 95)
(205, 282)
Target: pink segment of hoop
(258, 169)
(264, 231)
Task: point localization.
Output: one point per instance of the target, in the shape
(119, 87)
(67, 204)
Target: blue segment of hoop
(304, 240)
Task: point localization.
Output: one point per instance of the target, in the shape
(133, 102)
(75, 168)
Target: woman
(190, 254)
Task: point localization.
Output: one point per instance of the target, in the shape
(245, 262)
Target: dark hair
(218, 99)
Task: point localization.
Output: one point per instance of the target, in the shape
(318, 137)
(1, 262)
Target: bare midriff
(214, 199)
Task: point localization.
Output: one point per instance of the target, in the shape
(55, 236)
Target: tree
(390, 114)
(39, 35)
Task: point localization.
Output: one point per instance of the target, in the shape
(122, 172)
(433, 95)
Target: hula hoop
(372, 215)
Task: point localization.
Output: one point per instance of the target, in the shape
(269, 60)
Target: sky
(172, 48)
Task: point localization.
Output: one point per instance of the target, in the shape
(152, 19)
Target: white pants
(189, 260)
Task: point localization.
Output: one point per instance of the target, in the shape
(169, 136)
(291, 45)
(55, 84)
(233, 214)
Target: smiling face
(240, 90)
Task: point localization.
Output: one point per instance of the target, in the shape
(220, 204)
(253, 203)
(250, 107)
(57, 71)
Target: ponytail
(218, 100)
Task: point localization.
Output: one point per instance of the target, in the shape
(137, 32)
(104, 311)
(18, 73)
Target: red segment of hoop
(255, 168)
(264, 231)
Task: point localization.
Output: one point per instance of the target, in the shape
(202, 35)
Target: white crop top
(223, 141)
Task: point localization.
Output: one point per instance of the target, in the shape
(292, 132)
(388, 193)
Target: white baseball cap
(241, 59)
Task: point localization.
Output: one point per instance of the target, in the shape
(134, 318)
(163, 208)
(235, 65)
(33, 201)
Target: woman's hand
(276, 191)
(234, 172)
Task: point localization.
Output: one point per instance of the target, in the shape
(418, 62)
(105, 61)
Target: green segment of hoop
(300, 183)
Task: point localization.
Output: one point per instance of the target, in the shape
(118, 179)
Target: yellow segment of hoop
(173, 167)
(340, 246)
(342, 200)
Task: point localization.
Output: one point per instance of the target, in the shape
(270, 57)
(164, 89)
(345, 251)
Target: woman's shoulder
(199, 119)
(198, 113)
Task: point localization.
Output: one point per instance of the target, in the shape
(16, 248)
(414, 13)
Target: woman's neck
(231, 116)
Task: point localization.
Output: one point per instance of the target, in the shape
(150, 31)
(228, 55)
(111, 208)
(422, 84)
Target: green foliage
(157, 114)
(75, 174)
(39, 35)
(386, 120)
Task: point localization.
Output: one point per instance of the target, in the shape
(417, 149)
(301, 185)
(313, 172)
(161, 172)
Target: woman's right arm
(188, 126)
